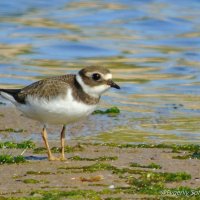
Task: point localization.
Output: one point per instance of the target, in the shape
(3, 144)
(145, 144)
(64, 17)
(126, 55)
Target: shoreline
(103, 171)
(121, 172)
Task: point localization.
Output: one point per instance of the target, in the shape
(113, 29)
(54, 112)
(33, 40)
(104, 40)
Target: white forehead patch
(107, 76)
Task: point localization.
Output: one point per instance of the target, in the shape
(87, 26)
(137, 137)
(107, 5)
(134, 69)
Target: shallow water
(152, 48)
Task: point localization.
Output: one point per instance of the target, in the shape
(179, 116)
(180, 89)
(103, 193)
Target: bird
(61, 99)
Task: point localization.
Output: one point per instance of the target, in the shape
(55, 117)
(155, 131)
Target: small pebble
(111, 187)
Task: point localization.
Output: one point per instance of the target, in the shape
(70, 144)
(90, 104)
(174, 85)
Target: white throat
(94, 91)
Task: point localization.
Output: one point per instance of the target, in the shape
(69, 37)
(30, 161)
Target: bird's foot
(62, 158)
(53, 158)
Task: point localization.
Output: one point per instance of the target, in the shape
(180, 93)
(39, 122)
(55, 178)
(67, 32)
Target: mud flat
(107, 171)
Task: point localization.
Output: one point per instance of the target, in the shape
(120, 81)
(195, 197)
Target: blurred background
(151, 46)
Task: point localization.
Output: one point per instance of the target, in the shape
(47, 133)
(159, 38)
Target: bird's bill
(113, 84)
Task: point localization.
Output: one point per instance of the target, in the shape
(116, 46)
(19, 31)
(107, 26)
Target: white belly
(56, 111)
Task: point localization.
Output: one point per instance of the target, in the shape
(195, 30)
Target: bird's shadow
(35, 157)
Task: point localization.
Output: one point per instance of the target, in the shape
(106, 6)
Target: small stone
(111, 187)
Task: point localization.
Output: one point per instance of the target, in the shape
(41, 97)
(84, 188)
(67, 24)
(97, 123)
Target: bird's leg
(45, 139)
(62, 140)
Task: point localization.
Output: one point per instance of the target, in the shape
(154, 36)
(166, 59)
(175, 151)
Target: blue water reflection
(152, 47)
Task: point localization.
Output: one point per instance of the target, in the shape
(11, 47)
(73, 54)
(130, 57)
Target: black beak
(113, 84)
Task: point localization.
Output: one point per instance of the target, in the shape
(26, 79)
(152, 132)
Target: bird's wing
(47, 88)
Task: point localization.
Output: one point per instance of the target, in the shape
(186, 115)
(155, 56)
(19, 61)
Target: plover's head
(95, 80)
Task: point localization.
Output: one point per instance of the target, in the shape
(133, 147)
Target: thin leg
(62, 140)
(45, 139)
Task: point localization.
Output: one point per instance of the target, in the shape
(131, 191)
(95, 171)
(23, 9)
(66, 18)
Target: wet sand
(70, 175)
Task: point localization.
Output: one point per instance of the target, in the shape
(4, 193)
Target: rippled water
(151, 46)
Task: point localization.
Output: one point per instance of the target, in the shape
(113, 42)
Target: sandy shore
(104, 171)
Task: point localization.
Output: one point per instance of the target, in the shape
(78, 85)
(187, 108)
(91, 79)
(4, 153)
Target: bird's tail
(9, 94)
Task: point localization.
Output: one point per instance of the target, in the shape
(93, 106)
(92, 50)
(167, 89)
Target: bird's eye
(96, 76)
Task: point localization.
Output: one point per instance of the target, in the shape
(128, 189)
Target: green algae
(113, 110)
(152, 183)
(163, 176)
(11, 130)
(148, 182)
(68, 149)
(166, 176)
(174, 147)
(151, 165)
(102, 158)
(97, 195)
(34, 181)
(31, 181)
(92, 168)
(12, 145)
(181, 157)
(9, 159)
(39, 150)
(131, 136)
(194, 155)
(73, 194)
